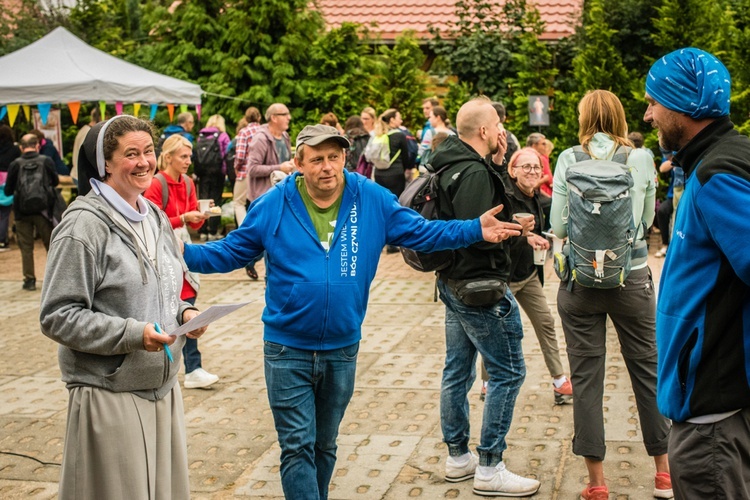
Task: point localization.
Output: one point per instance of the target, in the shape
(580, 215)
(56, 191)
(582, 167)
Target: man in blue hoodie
(703, 308)
(323, 229)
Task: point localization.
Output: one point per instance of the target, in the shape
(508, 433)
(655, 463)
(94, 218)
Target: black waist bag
(478, 292)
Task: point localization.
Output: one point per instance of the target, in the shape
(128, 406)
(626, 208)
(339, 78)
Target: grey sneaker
(199, 379)
(457, 473)
(503, 483)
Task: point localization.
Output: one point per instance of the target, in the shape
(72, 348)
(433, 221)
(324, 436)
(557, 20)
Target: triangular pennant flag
(183, 108)
(103, 109)
(136, 108)
(43, 108)
(3, 112)
(170, 108)
(198, 111)
(74, 108)
(12, 113)
(118, 107)
(27, 111)
(153, 112)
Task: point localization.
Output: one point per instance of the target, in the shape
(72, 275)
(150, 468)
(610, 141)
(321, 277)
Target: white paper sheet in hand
(207, 317)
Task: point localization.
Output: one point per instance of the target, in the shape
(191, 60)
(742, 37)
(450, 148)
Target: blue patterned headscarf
(690, 81)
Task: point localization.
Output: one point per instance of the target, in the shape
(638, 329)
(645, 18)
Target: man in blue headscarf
(703, 310)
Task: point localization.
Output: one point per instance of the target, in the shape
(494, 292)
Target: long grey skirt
(120, 446)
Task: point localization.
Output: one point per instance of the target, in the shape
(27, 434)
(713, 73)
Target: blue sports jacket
(703, 311)
(317, 299)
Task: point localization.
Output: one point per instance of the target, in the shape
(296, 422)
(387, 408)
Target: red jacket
(177, 204)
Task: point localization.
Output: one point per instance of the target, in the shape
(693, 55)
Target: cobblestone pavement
(390, 443)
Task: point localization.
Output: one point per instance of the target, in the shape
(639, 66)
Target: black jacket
(30, 156)
(8, 153)
(468, 188)
(521, 253)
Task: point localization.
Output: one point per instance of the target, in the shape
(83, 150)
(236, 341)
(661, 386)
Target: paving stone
(380, 339)
(392, 411)
(410, 371)
(26, 442)
(34, 397)
(17, 490)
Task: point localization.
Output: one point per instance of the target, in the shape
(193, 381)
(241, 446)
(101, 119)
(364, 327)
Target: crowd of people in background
(498, 187)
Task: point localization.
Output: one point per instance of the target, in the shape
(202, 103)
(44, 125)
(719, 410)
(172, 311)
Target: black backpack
(207, 159)
(33, 190)
(229, 160)
(421, 195)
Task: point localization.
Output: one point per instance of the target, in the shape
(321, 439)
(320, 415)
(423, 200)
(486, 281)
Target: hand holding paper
(203, 319)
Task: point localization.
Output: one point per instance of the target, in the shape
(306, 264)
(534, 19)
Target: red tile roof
(395, 16)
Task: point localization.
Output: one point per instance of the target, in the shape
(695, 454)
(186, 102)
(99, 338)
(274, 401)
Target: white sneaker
(456, 473)
(200, 379)
(503, 483)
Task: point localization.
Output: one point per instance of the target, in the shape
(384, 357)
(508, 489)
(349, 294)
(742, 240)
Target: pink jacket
(262, 159)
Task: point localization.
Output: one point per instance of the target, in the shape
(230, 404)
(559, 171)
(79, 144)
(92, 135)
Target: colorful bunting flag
(136, 108)
(183, 108)
(118, 107)
(27, 112)
(3, 112)
(153, 112)
(170, 108)
(198, 111)
(103, 109)
(74, 108)
(12, 113)
(44, 108)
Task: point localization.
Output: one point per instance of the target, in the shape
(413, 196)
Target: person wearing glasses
(269, 152)
(526, 278)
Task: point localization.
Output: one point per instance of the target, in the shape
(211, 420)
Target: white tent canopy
(62, 68)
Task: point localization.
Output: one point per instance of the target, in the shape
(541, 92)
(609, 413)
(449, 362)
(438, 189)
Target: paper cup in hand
(522, 215)
(557, 244)
(204, 205)
(540, 255)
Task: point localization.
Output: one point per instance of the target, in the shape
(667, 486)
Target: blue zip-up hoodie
(317, 299)
(703, 311)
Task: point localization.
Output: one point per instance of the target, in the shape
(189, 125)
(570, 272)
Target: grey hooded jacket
(100, 291)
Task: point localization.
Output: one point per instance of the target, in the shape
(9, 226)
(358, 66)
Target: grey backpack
(601, 229)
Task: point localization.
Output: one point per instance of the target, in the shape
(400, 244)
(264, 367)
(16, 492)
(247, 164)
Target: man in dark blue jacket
(703, 309)
(323, 229)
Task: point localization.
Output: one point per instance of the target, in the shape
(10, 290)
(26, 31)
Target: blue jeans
(308, 392)
(190, 352)
(495, 332)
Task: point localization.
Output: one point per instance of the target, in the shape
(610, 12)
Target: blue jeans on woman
(496, 333)
(190, 352)
(308, 392)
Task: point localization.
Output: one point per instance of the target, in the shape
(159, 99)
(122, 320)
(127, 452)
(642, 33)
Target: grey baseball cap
(312, 135)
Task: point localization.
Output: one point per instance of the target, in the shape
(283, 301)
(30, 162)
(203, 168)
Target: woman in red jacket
(174, 192)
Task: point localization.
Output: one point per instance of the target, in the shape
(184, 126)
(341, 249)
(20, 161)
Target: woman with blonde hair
(212, 174)
(393, 177)
(583, 311)
(369, 119)
(181, 207)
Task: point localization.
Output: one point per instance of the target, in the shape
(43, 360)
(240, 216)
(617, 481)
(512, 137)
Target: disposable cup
(540, 255)
(557, 243)
(522, 215)
(204, 205)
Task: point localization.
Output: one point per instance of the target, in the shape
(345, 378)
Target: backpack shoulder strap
(580, 154)
(164, 189)
(621, 155)
(188, 184)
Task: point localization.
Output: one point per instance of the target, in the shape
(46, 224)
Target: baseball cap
(313, 135)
